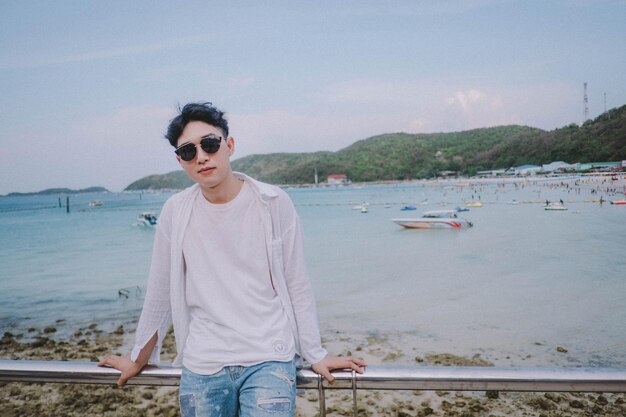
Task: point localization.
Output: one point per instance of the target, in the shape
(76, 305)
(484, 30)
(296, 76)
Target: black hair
(202, 112)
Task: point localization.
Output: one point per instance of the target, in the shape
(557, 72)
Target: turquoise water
(522, 280)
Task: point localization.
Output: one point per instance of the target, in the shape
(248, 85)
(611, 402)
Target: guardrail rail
(374, 378)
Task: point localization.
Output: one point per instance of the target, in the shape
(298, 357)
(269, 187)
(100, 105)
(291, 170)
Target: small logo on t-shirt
(280, 346)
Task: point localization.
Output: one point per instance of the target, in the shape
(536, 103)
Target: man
(228, 271)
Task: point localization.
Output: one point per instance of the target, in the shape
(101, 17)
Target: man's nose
(202, 156)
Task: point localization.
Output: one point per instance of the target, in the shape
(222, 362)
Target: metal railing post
(322, 396)
(354, 403)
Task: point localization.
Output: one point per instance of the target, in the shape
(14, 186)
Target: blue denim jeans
(266, 389)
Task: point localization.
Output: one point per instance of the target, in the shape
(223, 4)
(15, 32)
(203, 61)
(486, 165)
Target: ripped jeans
(266, 389)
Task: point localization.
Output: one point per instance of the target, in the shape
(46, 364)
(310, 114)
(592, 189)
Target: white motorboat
(361, 207)
(146, 219)
(436, 219)
(555, 206)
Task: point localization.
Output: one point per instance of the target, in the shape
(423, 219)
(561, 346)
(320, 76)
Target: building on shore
(337, 179)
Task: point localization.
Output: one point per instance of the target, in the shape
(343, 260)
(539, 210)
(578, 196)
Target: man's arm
(303, 300)
(126, 365)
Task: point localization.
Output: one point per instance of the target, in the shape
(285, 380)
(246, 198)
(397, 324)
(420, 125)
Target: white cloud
(441, 104)
(465, 99)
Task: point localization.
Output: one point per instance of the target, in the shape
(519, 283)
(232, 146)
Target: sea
(520, 283)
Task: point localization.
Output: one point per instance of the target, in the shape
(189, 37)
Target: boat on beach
(619, 202)
(435, 219)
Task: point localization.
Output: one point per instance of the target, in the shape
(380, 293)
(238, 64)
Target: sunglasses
(188, 151)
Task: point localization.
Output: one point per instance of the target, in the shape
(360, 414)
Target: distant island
(58, 191)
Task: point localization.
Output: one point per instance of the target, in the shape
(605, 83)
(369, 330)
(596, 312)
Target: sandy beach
(91, 343)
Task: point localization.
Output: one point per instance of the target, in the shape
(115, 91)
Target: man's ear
(230, 142)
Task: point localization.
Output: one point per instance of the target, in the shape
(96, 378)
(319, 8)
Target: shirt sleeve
(156, 315)
(298, 283)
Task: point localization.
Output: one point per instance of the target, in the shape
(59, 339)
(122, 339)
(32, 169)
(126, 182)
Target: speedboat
(473, 204)
(361, 207)
(436, 219)
(408, 208)
(146, 219)
(555, 206)
(95, 203)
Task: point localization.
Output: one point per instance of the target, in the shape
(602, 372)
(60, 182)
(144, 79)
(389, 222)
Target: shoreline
(534, 179)
(91, 343)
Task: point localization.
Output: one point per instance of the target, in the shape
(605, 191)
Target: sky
(87, 88)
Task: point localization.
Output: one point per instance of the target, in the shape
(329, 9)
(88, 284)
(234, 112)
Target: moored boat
(436, 219)
(555, 206)
(146, 219)
(619, 202)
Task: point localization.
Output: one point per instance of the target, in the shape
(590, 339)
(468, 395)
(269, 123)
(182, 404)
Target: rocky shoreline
(91, 343)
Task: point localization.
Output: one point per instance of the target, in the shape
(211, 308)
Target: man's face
(207, 169)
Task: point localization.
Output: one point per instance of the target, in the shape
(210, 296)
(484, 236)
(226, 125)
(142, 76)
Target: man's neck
(224, 192)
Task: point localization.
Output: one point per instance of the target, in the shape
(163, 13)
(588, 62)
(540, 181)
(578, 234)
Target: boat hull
(432, 223)
(555, 207)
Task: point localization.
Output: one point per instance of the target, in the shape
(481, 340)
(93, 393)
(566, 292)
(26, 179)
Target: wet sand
(90, 343)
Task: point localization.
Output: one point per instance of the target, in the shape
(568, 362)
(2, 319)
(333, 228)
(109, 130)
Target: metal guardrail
(374, 378)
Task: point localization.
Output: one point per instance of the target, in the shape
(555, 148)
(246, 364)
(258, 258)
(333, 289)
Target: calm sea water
(519, 283)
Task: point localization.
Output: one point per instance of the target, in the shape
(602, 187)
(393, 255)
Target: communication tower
(585, 105)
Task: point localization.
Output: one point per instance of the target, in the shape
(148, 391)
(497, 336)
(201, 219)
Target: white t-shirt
(236, 316)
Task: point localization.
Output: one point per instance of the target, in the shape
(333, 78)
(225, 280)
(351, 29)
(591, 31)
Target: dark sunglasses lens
(210, 145)
(187, 152)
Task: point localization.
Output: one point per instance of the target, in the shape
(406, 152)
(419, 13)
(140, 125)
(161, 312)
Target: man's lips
(205, 170)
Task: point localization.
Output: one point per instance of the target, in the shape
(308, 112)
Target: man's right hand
(122, 363)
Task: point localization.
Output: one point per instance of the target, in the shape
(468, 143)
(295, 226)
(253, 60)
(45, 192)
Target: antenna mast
(585, 104)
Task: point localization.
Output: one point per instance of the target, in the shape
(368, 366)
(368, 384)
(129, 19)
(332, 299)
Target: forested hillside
(399, 156)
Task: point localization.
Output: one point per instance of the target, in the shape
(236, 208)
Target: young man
(228, 271)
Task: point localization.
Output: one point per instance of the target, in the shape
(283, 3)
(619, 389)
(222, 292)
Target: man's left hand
(332, 362)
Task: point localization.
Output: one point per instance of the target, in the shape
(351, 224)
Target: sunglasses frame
(209, 144)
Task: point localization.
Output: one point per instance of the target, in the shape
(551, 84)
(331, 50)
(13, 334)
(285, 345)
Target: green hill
(399, 156)
(176, 180)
